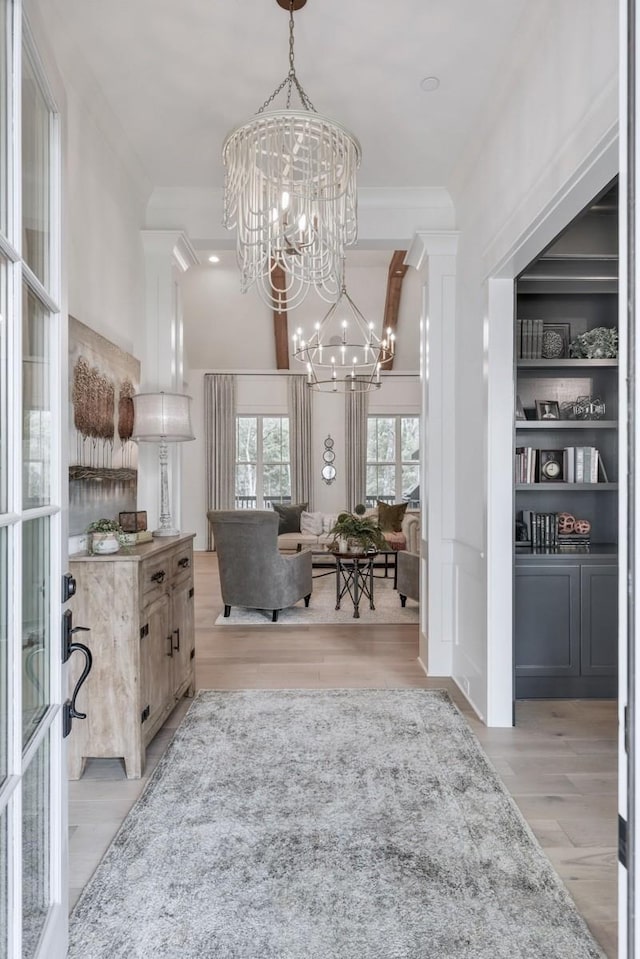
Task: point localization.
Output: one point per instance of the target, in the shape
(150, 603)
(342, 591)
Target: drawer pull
(184, 562)
(176, 632)
(170, 639)
(158, 577)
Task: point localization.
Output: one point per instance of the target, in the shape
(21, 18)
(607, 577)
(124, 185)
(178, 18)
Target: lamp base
(164, 531)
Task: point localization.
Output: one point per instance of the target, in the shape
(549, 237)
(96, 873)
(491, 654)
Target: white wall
(267, 393)
(557, 109)
(104, 198)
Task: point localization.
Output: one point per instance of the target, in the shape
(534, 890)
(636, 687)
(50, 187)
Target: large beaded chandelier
(343, 354)
(290, 192)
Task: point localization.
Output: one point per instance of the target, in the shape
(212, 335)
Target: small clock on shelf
(550, 468)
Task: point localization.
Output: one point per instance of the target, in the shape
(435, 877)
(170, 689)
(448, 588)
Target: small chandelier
(343, 354)
(290, 191)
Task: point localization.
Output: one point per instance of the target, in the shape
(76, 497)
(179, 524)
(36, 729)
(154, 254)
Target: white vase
(104, 543)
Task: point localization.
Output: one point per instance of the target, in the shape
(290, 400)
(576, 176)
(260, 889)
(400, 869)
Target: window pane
(247, 439)
(5, 12)
(411, 485)
(3, 385)
(381, 440)
(35, 173)
(35, 624)
(277, 483)
(245, 487)
(410, 441)
(381, 482)
(275, 440)
(35, 849)
(4, 707)
(36, 421)
(4, 888)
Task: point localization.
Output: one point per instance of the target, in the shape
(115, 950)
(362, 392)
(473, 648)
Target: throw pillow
(289, 517)
(390, 517)
(311, 523)
(329, 520)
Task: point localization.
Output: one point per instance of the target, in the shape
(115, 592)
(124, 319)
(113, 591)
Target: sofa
(315, 532)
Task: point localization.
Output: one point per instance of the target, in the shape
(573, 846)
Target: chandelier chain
(291, 78)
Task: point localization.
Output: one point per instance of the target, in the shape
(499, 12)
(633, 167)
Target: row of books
(540, 530)
(573, 464)
(529, 339)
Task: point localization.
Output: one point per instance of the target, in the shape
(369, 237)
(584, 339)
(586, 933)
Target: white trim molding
(433, 254)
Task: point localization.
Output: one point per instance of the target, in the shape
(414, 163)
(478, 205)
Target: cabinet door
(547, 621)
(156, 657)
(182, 634)
(599, 634)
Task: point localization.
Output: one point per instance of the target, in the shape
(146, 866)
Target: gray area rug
(333, 824)
(322, 608)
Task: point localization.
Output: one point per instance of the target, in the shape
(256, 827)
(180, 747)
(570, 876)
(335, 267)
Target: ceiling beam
(397, 270)
(280, 319)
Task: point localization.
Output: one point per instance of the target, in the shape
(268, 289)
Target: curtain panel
(220, 442)
(299, 400)
(356, 408)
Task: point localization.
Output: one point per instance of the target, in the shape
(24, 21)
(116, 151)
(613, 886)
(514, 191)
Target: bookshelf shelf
(566, 424)
(567, 487)
(566, 363)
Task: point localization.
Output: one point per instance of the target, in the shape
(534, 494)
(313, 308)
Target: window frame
(398, 463)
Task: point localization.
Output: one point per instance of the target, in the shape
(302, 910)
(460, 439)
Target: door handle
(69, 711)
(176, 632)
(170, 638)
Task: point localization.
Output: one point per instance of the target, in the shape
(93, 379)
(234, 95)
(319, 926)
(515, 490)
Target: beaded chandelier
(290, 193)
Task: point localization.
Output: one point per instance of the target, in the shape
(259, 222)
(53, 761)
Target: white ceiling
(179, 74)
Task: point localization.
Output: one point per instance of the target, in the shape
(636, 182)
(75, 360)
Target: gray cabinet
(566, 622)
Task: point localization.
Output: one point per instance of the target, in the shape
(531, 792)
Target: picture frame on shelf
(556, 338)
(551, 466)
(547, 410)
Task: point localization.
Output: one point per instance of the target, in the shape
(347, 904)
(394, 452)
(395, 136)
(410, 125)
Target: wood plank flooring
(559, 762)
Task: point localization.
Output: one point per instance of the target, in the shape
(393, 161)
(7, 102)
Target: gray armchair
(408, 576)
(252, 571)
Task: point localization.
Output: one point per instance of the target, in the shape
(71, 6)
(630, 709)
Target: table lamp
(162, 418)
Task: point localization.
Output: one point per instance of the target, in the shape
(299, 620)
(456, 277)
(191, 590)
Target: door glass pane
(4, 888)
(35, 173)
(35, 849)
(35, 624)
(36, 446)
(4, 707)
(3, 382)
(4, 36)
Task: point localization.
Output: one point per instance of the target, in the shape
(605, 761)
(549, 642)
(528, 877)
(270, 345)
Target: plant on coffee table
(362, 533)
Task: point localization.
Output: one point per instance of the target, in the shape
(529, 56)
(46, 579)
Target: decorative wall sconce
(328, 470)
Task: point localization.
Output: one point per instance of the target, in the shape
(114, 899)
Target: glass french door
(33, 848)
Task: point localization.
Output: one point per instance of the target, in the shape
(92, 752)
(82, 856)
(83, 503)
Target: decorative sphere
(566, 523)
(582, 526)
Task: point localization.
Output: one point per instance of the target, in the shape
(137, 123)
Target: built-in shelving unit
(565, 592)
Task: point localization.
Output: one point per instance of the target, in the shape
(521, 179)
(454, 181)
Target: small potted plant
(356, 533)
(104, 536)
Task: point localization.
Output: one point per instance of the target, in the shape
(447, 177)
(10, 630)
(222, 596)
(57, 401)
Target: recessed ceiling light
(429, 84)
(214, 259)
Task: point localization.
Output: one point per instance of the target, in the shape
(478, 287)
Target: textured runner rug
(322, 608)
(337, 824)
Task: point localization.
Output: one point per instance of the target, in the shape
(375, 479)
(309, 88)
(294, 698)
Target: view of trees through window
(393, 459)
(263, 471)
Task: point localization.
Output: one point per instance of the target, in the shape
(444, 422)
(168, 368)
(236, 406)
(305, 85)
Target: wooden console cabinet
(139, 607)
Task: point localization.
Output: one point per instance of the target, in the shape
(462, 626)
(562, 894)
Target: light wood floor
(559, 762)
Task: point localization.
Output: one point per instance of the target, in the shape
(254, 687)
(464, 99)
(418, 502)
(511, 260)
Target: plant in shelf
(356, 533)
(104, 536)
(598, 344)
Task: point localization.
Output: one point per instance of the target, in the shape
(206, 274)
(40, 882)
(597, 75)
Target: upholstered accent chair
(408, 576)
(252, 571)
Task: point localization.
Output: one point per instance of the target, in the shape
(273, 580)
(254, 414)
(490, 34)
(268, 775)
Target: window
(393, 459)
(263, 468)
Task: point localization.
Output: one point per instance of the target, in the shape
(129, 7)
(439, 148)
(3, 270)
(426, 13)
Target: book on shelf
(529, 339)
(537, 530)
(525, 464)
